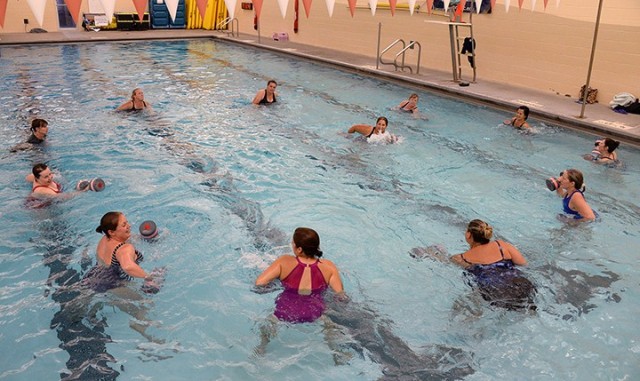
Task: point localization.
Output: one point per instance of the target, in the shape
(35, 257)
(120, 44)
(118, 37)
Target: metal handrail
(232, 21)
(410, 46)
(394, 43)
(402, 66)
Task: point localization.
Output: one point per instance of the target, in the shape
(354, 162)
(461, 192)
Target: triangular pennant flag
(446, 5)
(412, 5)
(459, 9)
(3, 11)
(283, 4)
(231, 7)
(507, 4)
(307, 7)
(202, 8)
(520, 4)
(392, 5)
(141, 6)
(37, 7)
(74, 8)
(373, 4)
(352, 6)
(533, 5)
(478, 4)
(330, 5)
(172, 7)
(108, 6)
(257, 5)
(429, 6)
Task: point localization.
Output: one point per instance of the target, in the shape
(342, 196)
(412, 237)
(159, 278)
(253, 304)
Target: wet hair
(38, 169)
(37, 123)
(108, 222)
(524, 109)
(480, 231)
(576, 177)
(272, 81)
(309, 241)
(413, 95)
(383, 118)
(133, 93)
(611, 144)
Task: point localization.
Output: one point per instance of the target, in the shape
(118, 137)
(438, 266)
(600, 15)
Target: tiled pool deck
(598, 119)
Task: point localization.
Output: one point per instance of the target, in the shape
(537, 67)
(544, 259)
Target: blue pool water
(227, 183)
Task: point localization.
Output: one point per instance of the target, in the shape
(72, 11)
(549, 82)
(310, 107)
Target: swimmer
(137, 102)
(520, 120)
(410, 104)
(42, 181)
(305, 278)
(570, 188)
(493, 268)
(118, 260)
(606, 149)
(266, 96)
(39, 131)
(379, 129)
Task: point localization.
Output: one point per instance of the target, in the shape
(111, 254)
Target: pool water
(227, 183)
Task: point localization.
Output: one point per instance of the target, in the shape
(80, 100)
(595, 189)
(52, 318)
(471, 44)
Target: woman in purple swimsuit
(491, 266)
(304, 276)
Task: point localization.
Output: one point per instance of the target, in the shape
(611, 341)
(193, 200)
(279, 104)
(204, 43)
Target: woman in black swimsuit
(520, 120)
(410, 104)
(136, 103)
(607, 149)
(266, 96)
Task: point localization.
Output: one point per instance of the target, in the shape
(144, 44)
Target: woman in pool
(42, 181)
(519, 121)
(267, 95)
(607, 148)
(492, 265)
(136, 103)
(305, 278)
(570, 188)
(410, 104)
(39, 131)
(118, 260)
(378, 130)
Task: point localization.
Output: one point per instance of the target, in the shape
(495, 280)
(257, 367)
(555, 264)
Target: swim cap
(148, 229)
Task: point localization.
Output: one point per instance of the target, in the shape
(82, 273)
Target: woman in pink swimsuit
(42, 180)
(304, 276)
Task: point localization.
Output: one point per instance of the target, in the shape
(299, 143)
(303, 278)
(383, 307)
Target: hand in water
(153, 282)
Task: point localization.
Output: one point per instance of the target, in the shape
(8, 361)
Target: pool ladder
(400, 55)
(234, 31)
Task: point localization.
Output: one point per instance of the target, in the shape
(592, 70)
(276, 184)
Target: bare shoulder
(328, 263)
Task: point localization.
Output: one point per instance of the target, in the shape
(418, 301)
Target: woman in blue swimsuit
(570, 188)
(492, 268)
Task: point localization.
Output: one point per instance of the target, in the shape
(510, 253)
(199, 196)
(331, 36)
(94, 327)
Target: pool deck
(598, 119)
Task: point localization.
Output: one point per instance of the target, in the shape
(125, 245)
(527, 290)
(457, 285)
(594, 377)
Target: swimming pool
(227, 183)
